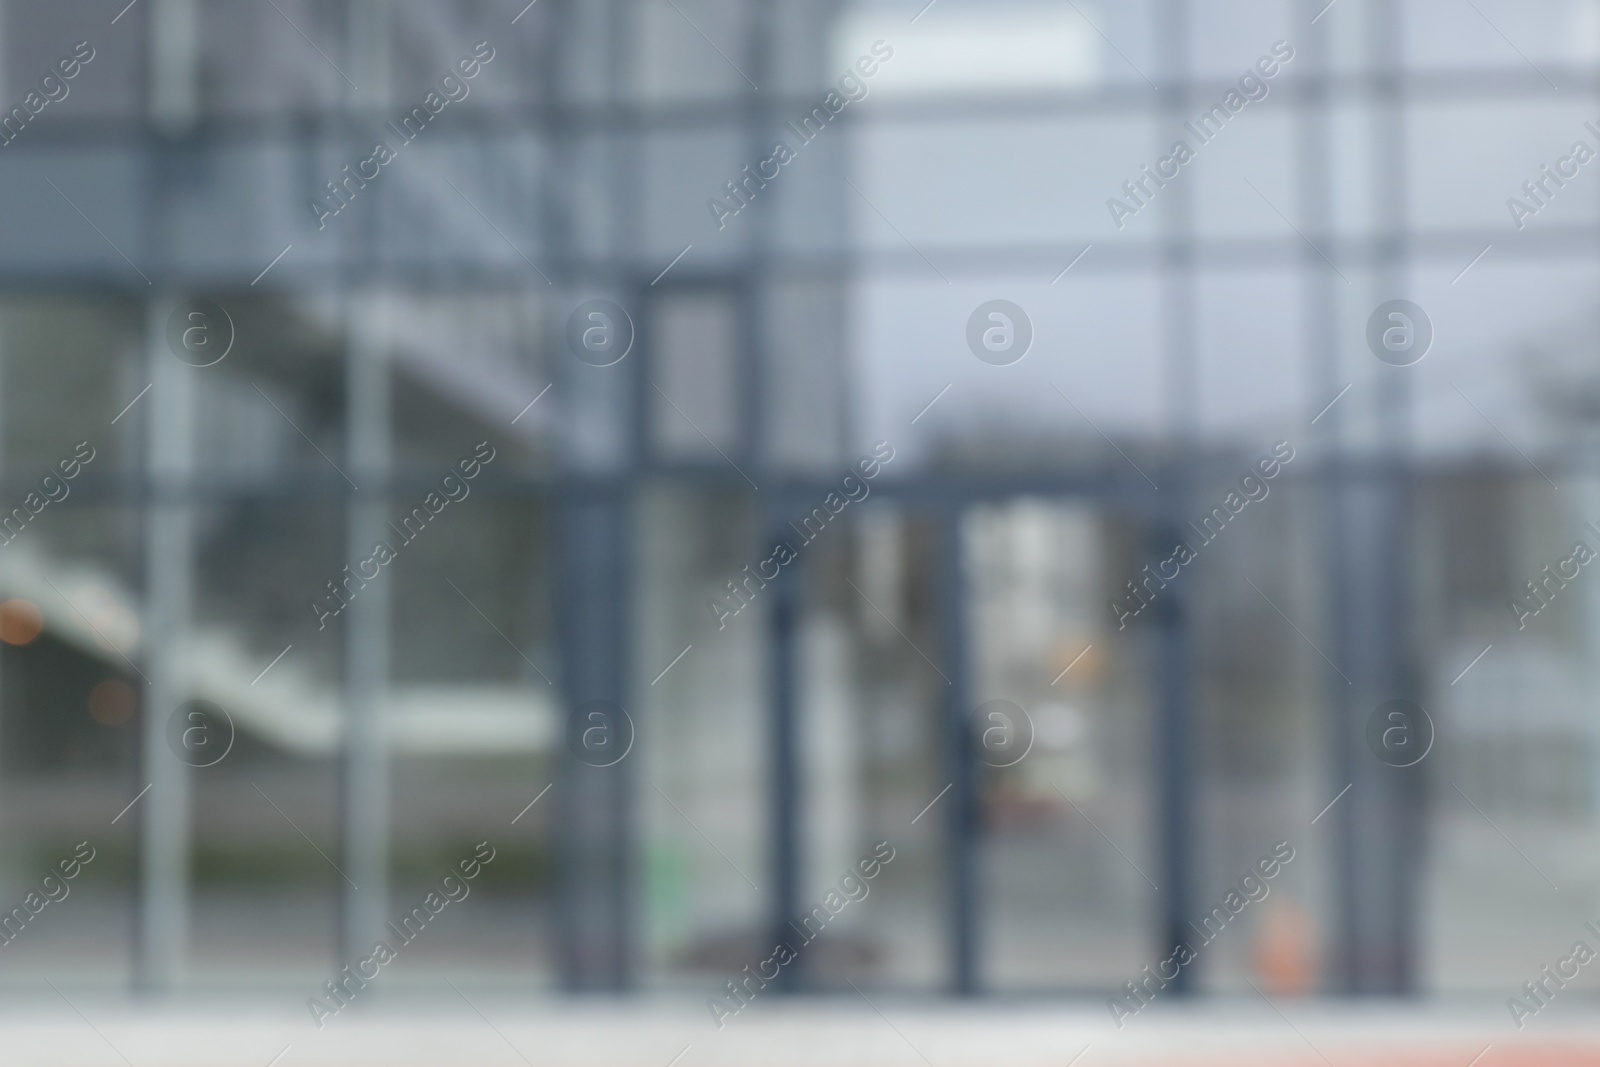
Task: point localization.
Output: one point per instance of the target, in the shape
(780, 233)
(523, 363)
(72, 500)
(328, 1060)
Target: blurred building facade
(592, 165)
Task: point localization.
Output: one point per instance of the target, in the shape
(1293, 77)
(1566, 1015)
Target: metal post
(962, 824)
(1380, 827)
(594, 800)
(1315, 194)
(787, 796)
(1378, 830)
(164, 823)
(1174, 756)
(1174, 750)
(601, 435)
(783, 624)
(161, 929)
(365, 832)
(365, 825)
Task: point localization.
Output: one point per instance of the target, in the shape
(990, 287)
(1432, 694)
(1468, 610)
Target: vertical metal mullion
(1322, 338)
(784, 751)
(164, 816)
(1174, 752)
(1379, 828)
(594, 804)
(594, 801)
(786, 798)
(628, 210)
(365, 802)
(756, 283)
(165, 822)
(1398, 826)
(961, 822)
(366, 758)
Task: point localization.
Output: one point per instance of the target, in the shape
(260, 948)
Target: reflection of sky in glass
(1000, 203)
(954, 48)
